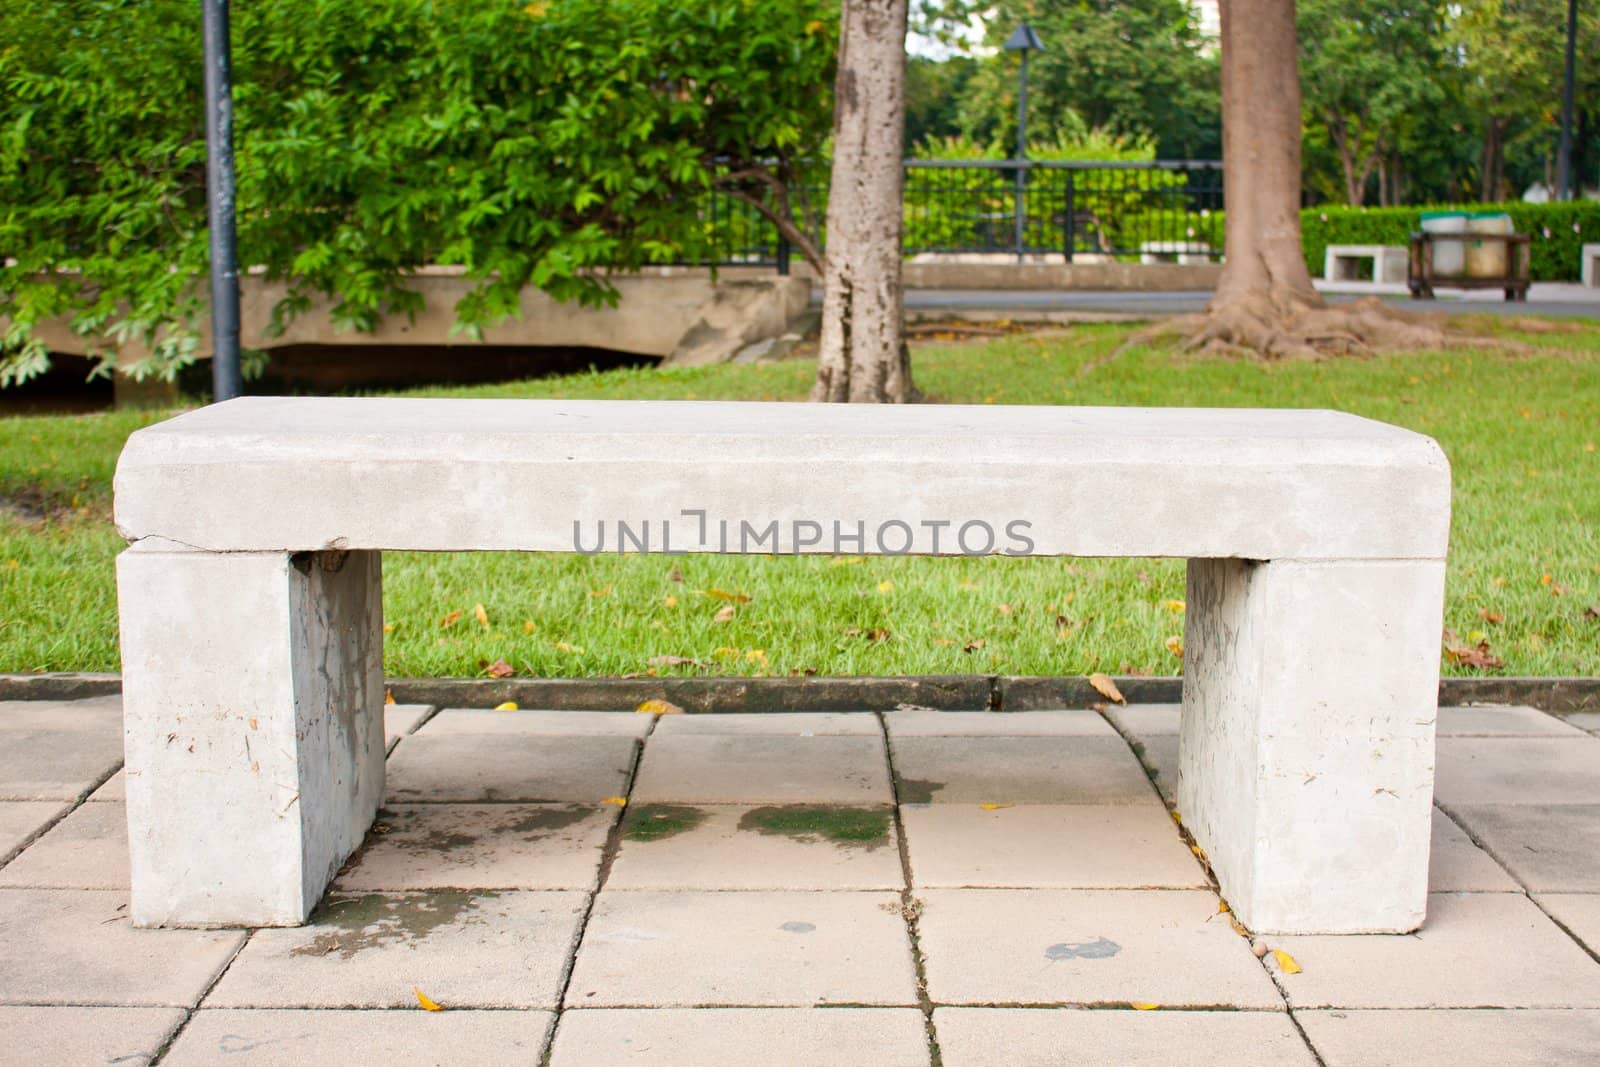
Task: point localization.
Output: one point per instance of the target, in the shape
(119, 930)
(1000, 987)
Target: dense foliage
(539, 143)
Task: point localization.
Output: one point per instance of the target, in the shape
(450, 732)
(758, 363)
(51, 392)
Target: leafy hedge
(1559, 231)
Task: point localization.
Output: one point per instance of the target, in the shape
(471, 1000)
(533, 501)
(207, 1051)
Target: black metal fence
(1166, 210)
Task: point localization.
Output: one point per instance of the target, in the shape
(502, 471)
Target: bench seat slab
(253, 710)
(1306, 749)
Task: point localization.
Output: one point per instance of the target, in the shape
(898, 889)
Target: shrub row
(1558, 230)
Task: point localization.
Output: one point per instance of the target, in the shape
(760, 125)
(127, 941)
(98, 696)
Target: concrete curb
(959, 692)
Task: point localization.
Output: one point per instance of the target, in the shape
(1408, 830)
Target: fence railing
(1078, 211)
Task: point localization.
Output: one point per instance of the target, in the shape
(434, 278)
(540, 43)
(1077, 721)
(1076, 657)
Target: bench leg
(253, 713)
(1306, 753)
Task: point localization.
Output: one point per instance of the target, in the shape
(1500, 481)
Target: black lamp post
(1564, 183)
(219, 202)
(1023, 40)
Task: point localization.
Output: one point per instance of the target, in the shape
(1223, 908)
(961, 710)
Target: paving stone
(402, 719)
(1089, 946)
(1146, 720)
(56, 764)
(1046, 1037)
(789, 846)
(1076, 722)
(1549, 848)
(1518, 770)
(1456, 865)
(735, 769)
(76, 946)
(1019, 770)
(21, 819)
(1579, 913)
(93, 715)
(113, 791)
(508, 768)
(1452, 1038)
(791, 724)
(560, 723)
(463, 950)
(1513, 721)
(734, 1037)
(1474, 950)
(482, 846)
(277, 1038)
(648, 949)
(86, 850)
(1159, 755)
(128, 1037)
(1063, 846)
(1585, 720)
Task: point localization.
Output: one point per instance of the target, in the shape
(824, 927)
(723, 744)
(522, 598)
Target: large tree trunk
(1265, 304)
(1261, 157)
(863, 356)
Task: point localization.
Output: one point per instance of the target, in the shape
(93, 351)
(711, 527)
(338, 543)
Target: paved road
(1563, 301)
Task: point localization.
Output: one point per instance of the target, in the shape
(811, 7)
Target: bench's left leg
(253, 717)
(1306, 752)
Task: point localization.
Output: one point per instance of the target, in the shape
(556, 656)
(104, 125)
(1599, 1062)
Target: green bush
(538, 143)
(1558, 231)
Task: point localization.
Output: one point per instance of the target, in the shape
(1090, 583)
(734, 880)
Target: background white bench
(252, 618)
(1342, 263)
(1590, 269)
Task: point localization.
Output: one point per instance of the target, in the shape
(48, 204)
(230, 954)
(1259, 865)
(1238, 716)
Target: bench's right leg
(253, 717)
(1305, 762)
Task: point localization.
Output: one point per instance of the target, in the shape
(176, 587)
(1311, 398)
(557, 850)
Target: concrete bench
(1184, 252)
(1589, 271)
(252, 620)
(1341, 263)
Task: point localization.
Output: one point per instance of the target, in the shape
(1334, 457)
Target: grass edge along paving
(1520, 430)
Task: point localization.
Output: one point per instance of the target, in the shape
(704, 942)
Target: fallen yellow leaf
(449, 620)
(659, 707)
(562, 646)
(1106, 687)
(604, 590)
(1175, 646)
(723, 594)
(1175, 606)
(1285, 961)
(428, 1004)
(670, 601)
(388, 696)
(993, 807)
(886, 586)
(529, 626)
(1142, 1005)
(510, 705)
(620, 802)
(481, 615)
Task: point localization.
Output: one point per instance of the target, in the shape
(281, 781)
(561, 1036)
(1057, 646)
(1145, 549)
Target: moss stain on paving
(347, 925)
(866, 828)
(655, 822)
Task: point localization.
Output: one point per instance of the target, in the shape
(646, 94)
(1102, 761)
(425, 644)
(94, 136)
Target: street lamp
(219, 201)
(1564, 182)
(1023, 40)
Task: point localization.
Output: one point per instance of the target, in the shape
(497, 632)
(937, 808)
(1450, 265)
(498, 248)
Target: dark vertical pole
(1022, 150)
(1564, 183)
(219, 202)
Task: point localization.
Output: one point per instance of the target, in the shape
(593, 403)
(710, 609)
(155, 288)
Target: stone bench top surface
(1363, 250)
(304, 473)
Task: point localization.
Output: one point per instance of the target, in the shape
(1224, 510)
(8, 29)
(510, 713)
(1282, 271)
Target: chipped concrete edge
(956, 692)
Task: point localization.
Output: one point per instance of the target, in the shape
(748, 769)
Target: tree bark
(862, 356)
(1261, 160)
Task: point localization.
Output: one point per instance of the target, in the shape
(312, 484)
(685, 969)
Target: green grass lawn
(1521, 432)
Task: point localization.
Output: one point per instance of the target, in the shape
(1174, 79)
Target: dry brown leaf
(1470, 655)
(500, 669)
(450, 620)
(1489, 616)
(724, 614)
(1106, 687)
(973, 646)
(1175, 646)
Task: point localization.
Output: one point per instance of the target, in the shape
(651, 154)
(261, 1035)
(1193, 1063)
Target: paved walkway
(1544, 298)
(611, 888)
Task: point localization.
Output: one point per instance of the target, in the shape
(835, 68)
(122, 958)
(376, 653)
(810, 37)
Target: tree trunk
(1492, 156)
(1261, 160)
(863, 356)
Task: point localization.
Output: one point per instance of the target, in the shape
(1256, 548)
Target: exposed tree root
(1271, 327)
